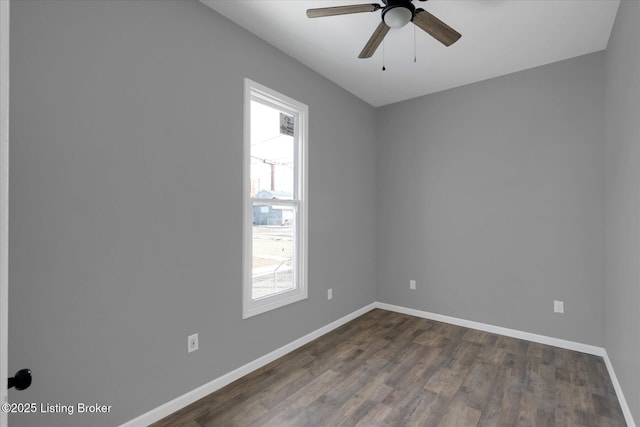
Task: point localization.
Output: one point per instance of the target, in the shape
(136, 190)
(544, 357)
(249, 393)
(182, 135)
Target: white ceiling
(498, 37)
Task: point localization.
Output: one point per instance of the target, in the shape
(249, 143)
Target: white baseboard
(542, 339)
(194, 395)
(200, 392)
(616, 385)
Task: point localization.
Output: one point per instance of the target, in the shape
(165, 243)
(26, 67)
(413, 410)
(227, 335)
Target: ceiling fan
(395, 14)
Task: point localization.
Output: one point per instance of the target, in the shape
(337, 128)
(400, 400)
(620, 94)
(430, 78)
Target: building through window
(275, 182)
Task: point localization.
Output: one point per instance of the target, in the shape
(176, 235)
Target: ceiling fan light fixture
(397, 17)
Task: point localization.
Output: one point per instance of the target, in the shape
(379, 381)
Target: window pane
(275, 206)
(272, 153)
(273, 250)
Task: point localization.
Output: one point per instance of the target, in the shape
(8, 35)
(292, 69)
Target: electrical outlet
(192, 343)
(412, 284)
(558, 306)
(330, 293)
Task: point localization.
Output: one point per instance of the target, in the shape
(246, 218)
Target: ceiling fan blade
(435, 27)
(342, 10)
(375, 40)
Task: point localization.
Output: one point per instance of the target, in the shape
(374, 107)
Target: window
(275, 202)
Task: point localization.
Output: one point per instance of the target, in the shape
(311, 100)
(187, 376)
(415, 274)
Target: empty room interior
(218, 214)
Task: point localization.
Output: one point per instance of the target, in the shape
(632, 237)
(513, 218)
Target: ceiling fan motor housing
(397, 13)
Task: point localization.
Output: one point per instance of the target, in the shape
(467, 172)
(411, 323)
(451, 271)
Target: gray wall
(622, 313)
(126, 139)
(125, 202)
(491, 196)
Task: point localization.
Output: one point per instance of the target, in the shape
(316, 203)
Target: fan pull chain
(415, 58)
(383, 67)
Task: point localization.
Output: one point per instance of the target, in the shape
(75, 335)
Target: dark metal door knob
(21, 381)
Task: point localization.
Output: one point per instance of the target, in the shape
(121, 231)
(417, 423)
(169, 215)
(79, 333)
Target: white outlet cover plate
(192, 343)
(558, 306)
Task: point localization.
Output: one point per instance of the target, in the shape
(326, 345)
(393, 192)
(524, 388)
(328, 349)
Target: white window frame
(252, 307)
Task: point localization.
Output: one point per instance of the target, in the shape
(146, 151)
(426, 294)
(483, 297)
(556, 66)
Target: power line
(271, 162)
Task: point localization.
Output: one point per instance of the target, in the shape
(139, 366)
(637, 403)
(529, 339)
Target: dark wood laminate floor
(390, 369)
